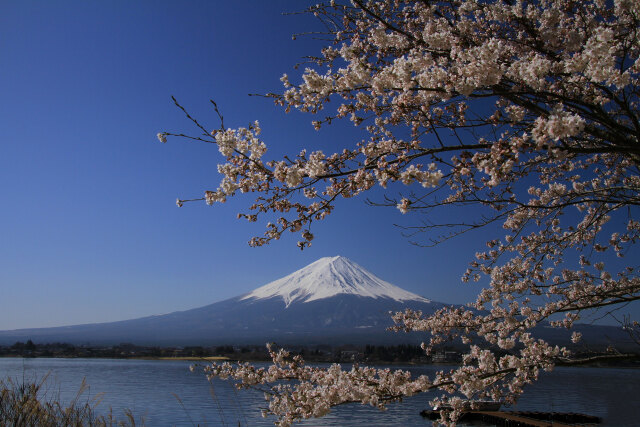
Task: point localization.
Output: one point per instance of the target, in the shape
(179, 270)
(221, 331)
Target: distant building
(446, 357)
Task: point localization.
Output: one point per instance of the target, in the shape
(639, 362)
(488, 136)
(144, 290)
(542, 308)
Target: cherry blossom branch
(525, 111)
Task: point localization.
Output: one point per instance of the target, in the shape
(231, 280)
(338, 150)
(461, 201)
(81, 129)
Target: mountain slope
(331, 300)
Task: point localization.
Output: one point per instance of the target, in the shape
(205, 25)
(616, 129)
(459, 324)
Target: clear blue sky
(89, 230)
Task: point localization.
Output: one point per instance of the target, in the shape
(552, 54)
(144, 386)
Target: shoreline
(631, 363)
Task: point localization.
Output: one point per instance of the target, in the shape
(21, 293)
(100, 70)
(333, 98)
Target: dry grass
(26, 403)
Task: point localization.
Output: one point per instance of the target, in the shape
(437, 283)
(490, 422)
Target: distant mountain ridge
(330, 301)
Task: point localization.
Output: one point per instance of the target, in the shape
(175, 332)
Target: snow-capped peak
(328, 277)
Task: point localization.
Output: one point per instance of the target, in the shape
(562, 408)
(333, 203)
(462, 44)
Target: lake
(166, 393)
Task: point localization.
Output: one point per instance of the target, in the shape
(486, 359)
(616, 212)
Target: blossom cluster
(312, 391)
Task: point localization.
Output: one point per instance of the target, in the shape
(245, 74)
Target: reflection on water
(166, 393)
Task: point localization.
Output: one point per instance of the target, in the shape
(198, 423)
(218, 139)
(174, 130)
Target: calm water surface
(166, 393)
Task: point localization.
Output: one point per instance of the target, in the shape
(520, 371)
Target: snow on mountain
(328, 277)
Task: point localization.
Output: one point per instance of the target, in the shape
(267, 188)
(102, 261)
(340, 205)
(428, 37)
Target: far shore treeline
(403, 353)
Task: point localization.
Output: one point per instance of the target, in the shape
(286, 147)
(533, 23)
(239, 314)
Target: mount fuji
(333, 300)
(327, 278)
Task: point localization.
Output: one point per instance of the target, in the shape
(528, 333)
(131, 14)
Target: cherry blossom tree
(527, 109)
